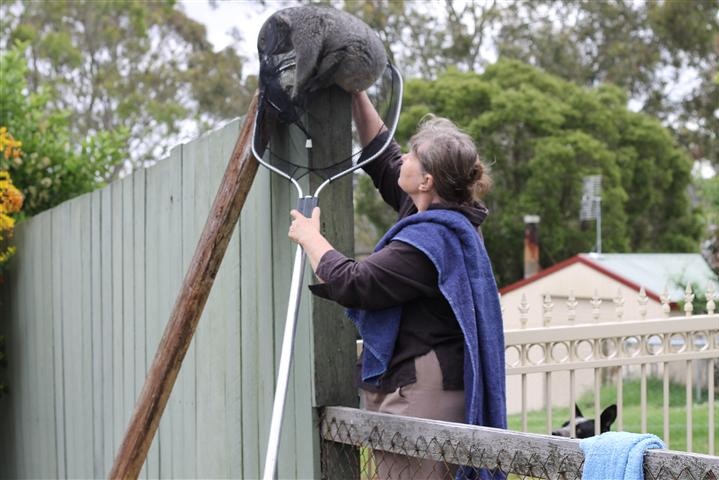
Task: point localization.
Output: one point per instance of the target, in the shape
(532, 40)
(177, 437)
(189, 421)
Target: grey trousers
(424, 399)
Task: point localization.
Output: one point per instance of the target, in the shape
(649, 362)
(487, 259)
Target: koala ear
(282, 19)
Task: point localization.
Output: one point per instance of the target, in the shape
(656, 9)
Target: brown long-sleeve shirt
(400, 274)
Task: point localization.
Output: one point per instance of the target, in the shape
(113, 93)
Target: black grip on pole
(305, 205)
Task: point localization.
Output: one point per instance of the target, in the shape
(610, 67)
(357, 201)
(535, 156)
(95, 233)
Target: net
(278, 107)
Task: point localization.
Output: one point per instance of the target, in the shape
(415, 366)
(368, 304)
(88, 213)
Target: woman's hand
(305, 230)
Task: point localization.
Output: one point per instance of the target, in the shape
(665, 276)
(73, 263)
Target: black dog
(585, 426)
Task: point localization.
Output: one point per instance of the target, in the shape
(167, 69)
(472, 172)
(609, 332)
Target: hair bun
(477, 171)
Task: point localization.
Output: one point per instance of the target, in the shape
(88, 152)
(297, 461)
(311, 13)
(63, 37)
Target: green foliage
(53, 168)
(372, 206)
(649, 49)
(142, 66)
(708, 193)
(541, 135)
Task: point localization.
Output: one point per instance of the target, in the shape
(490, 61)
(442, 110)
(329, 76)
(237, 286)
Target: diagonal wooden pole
(189, 304)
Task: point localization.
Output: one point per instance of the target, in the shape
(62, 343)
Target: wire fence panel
(385, 446)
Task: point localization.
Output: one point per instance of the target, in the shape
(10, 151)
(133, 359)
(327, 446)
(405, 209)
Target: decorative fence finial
(619, 305)
(642, 300)
(688, 299)
(596, 303)
(523, 310)
(547, 307)
(571, 307)
(710, 299)
(664, 299)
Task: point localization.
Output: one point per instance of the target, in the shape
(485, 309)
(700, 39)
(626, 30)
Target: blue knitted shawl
(466, 280)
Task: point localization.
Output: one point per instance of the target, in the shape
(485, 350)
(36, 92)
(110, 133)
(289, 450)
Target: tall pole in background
(591, 206)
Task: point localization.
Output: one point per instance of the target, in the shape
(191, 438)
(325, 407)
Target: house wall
(583, 281)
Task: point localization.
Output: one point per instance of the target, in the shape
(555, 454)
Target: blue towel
(617, 455)
(466, 280)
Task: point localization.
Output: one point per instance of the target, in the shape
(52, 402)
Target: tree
(142, 66)
(708, 195)
(52, 167)
(646, 48)
(541, 135)
(651, 49)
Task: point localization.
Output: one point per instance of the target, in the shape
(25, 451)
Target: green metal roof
(659, 271)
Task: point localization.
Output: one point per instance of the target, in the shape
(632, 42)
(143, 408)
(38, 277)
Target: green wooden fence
(86, 302)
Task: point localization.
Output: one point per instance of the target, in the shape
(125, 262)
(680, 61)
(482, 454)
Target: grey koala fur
(331, 47)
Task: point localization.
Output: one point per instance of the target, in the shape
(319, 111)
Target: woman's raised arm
(367, 120)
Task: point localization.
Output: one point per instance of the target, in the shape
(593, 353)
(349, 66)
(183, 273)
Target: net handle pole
(392, 129)
(190, 302)
(305, 205)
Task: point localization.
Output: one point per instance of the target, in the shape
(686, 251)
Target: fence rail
(365, 434)
(554, 365)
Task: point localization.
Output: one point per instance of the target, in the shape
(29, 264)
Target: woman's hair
(450, 156)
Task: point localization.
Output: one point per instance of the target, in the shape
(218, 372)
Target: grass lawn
(536, 420)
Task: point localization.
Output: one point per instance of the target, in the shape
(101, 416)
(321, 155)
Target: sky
(245, 15)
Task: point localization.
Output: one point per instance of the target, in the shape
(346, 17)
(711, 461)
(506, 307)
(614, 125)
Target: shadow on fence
(367, 445)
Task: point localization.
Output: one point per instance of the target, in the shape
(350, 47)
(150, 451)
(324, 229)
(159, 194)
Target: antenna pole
(598, 199)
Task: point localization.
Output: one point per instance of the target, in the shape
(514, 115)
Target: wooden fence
(87, 299)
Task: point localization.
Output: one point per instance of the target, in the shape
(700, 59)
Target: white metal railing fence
(628, 347)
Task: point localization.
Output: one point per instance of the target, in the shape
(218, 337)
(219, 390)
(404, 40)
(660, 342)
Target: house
(601, 288)
(615, 279)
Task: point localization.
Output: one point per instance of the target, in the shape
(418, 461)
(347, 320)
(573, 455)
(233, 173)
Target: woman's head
(450, 156)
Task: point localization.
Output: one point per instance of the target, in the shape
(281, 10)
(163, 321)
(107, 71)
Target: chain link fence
(374, 446)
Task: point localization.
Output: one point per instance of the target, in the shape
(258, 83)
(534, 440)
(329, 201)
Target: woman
(425, 302)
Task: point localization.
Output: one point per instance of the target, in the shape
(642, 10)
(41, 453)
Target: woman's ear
(427, 183)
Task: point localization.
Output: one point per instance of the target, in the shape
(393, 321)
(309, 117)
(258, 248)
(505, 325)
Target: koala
(330, 46)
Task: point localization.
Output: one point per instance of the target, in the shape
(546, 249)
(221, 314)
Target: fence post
(329, 123)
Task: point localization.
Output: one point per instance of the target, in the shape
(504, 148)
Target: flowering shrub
(10, 203)
(10, 197)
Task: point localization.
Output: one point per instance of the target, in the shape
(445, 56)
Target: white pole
(283, 373)
(599, 224)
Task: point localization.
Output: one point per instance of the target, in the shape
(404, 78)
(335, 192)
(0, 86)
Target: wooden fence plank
(59, 223)
(256, 324)
(111, 435)
(99, 458)
(119, 415)
(172, 460)
(195, 205)
(127, 236)
(156, 303)
(170, 257)
(216, 328)
(82, 343)
(228, 287)
(139, 346)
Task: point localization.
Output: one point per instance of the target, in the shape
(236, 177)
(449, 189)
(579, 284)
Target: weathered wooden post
(329, 123)
(324, 344)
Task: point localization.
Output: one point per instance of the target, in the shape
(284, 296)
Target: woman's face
(411, 174)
